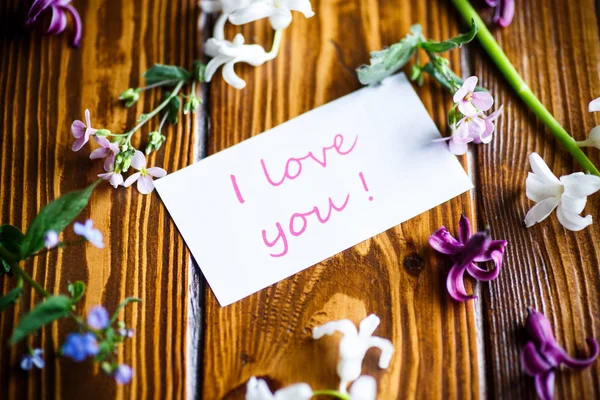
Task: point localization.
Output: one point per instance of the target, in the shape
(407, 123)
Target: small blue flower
(51, 239)
(34, 358)
(98, 318)
(79, 346)
(94, 236)
(123, 374)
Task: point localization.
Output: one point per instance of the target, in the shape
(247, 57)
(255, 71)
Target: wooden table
(184, 342)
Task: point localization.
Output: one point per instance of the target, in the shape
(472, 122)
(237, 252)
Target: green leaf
(54, 216)
(51, 309)
(389, 61)
(10, 298)
(458, 41)
(172, 109)
(77, 290)
(10, 238)
(170, 75)
(123, 304)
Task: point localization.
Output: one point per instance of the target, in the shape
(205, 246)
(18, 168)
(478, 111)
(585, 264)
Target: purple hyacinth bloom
(80, 346)
(98, 318)
(505, 11)
(464, 253)
(123, 374)
(57, 10)
(34, 358)
(542, 355)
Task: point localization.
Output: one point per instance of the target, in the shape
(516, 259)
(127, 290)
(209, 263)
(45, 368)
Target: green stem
(332, 393)
(156, 110)
(20, 272)
(276, 43)
(495, 52)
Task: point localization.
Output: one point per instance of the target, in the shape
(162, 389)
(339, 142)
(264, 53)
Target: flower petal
(505, 17)
(572, 221)
(99, 153)
(145, 184)
(138, 161)
(345, 326)
(77, 129)
(467, 108)
(364, 388)
(443, 242)
(214, 64)
(456, 147)
(579, 184)
(464, 229)
(79, 143)
(544, 385)
(116, 180)
(298, 391)
(280, 19)
(538, 190)
(368, 325)
(573, 204)
(157, 172)
(231, 77)
(532, 362)
(58, 23)
(541, 169)
(302, 6)
(455, 284)
(482, 274)
(131, 179)
(257, 389)
(483, 101)
(594, 105)
(255, 11)
(580, 363)
(540, 211)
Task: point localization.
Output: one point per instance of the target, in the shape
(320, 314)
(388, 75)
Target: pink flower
(107, 150)
(489, 120)
(144, 177)
(82, 132)
(58, 10)
(114, 178)
(470, 102)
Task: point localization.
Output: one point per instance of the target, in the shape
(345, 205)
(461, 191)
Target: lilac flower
(51, 239)
(469, 101)
(464, 253)
(87, 230)
(98, 318)
(58, 10)
(126, 333)
(542, 355)
(33, 359)
(82, 132)
(123, 374)
(144, 177)
(80, 346)
(505, 11)
(114, 178)
(108, 150)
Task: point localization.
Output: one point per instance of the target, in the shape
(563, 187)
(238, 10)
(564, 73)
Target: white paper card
(307, 189)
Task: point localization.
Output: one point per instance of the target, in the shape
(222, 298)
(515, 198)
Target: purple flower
(87, 230)
(542, 355)
(464, 253)
(505, 11)
(108, 150)
(80, 346)
(126, 333)
(34, 358)
(98, 318)
(123, 374)
(470, 102)
(82, 132)
(51, 239)
(58, 9)
(114, 178)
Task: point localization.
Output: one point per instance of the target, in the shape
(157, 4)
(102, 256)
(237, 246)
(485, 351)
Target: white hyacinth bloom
(227, 54)
(279, 12)
(568, 195)
(257, 389)
(594, 105)
(354, 346)
(593, 139)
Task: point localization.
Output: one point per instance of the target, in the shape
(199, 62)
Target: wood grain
(555, 45)
(269, 333)
(44, 85)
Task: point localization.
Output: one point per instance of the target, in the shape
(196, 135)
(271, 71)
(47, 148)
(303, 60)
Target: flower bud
(130, 96)
(155, 140)
(538, 327)
(102, 132)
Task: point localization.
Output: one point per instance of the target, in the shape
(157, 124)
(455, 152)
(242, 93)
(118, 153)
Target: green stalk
(332, 393)
(495, 52)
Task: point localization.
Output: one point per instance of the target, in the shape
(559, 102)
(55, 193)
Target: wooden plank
(44, 85)
(269, 334)
(556, 48)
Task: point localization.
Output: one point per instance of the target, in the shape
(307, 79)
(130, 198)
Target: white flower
(567, 194)
(593, 139)
(211, 6)
(364, 388)
(228, 53)
(279, 12)
(145, 184)
(115, 179)
(354, 346)
(257, 389)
